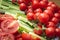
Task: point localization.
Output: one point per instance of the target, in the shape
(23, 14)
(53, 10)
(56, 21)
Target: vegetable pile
(29, 20)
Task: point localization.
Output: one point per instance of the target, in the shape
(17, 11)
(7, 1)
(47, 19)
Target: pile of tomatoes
(44, 12)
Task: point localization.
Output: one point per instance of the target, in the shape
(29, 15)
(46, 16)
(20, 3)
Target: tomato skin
(7, 37)
(50, 24)
(10, 26)
(20, 1)
(38, 31)
(35, 4)
(50, 3)
(43, 4)
(13, 1)
(23, 6)
(26, 36)
(49, 12)
(38, 10)
(50, 8)
(50, 32)
(36, 15)
(57, 15)
(57, 32)
(30, 16)
(55, 20)
(43, 18)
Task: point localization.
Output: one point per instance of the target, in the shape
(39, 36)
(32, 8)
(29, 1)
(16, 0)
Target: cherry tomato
(57, 32)
(20, 1)
(10, 26)
(23, 6)
(26, 36)
(30, 16)
(13, 1)
(50, 24)
(50, 8)
(49, 12)
(38, 10)
(50, 32)
(45, 0)
(36, 15)
(54, 6)
(29, 10)
(7, 37)
(38, 31)
(43, 18)
(57, 15)
(50, 3)
(35, 4)
(43, 4)
(55, 20)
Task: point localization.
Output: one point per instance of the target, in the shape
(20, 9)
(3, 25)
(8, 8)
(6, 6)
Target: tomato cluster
(45, 12)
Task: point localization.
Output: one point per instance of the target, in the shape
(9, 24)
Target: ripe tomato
(2, 32)
(26, 36)
(35, 4)
(10, 26)
(36, 15)
(20, 1)
(30, 16)
(38, 10)
(50, 3)
(57, 15)
(50, 32)
(50, 24)
(50, 8)
(54, 6)
(7, 37)
(55, 20)
(43, 18)
(13, 1)
(43, 4)
(38, 31)
(23, 6)
(49, 12)
(57, 32)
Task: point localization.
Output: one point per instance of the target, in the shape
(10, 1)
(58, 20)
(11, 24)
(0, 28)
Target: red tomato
(2, 32)
(29, 10)
(43, 4)
(36, 15)
(38, 10)
(7, 37)
(50, 32)
(10, 26)
(50, 3)
(55, 20)
(23, 6)
(20, 1)
(30, 16)
(54, 6)
(43, 18)
(38, 31)
(6, 17)
(49, 12)
(58, 32)
(13, 1)
(35, 4)
(50, 8)
(26, 36)
(57, 15)
(50, 24)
